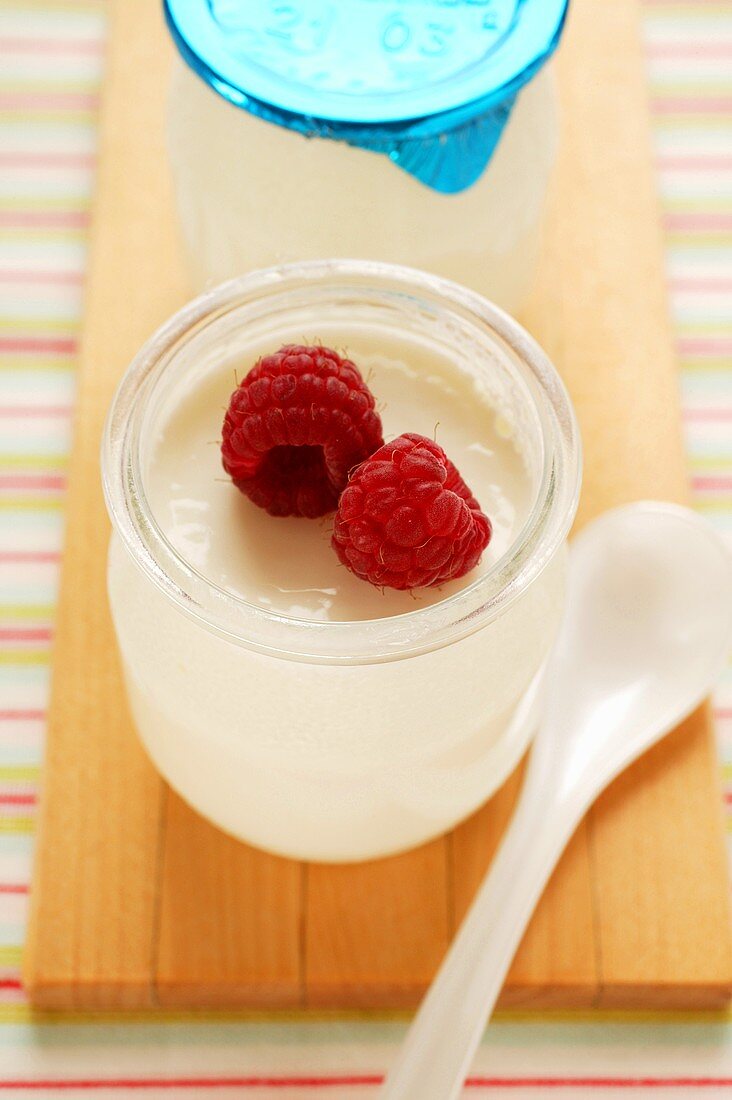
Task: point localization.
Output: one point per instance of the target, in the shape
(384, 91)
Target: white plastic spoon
(646, 632)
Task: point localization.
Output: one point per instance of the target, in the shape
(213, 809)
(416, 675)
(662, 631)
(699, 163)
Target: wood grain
(376, 931)
(658, 868)
(136, 901)
(230, 918)
(91, 927)
(663, 818)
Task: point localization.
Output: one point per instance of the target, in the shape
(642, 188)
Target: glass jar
(338, 740)
(417, 134)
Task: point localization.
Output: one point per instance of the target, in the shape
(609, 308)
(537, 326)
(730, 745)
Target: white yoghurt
(287, 565)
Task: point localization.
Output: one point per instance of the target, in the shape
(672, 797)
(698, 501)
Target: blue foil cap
(428, 83)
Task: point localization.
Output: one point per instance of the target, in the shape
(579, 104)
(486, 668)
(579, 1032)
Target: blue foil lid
(429, 83)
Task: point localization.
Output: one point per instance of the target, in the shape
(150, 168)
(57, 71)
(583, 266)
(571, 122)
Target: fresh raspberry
(295, 427)
(407, 519)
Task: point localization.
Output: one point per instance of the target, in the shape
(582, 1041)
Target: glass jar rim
(358, 641)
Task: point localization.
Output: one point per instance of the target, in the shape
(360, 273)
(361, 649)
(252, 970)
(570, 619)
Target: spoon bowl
(646, 631)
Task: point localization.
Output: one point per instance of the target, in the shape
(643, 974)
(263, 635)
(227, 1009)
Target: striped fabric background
(51, 64)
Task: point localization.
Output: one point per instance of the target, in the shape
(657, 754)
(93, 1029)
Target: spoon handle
(439, 1048)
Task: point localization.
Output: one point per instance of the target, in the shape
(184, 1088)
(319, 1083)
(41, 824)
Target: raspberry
(295, 427)
(407, 519)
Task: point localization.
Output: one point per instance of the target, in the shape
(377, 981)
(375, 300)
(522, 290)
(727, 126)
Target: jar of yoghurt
(419, 132)
(292, 703)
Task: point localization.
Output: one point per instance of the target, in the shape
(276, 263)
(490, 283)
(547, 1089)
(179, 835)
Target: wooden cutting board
(136, 901)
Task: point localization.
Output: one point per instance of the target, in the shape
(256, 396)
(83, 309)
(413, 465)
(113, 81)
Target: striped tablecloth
(51, 63)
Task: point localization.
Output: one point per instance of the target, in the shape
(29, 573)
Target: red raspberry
(407, 519)
(295, 427)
